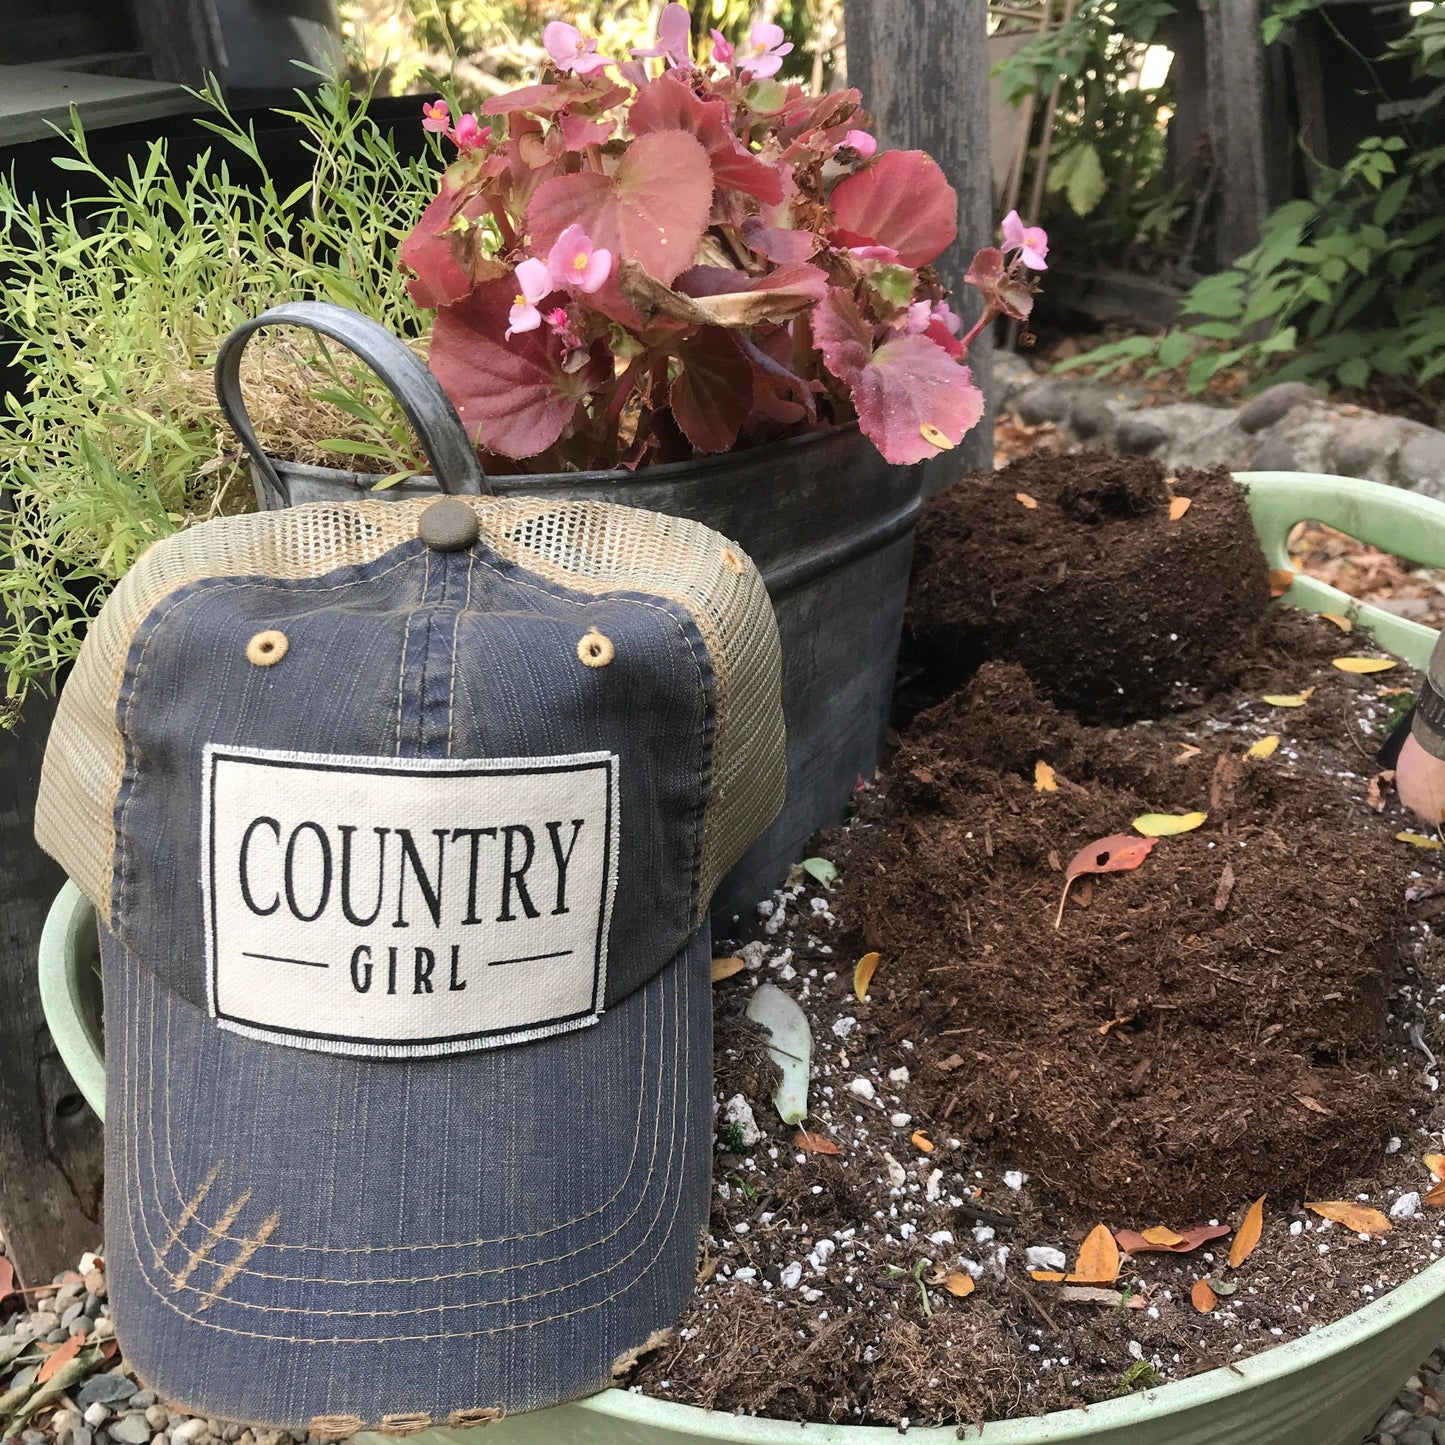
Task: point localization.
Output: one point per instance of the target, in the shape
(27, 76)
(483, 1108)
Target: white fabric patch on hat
(401, 907)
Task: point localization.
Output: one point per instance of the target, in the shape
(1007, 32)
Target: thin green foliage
(119, 299)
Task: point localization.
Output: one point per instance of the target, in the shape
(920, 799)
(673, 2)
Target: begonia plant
(647, 259)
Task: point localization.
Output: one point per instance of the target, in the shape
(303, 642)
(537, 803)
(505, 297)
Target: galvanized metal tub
(1325, 1389)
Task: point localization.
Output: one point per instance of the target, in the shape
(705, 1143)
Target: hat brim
(309, 1240)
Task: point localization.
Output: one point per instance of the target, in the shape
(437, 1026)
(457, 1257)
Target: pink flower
(674, 38)
(573, 261)
(534, 281)
(722, 48)
(470, 133)
(769, 48)
(556, 318)
(437, 118)
(1031, 242)
(569, 51)
(861, 142)
(886, 254)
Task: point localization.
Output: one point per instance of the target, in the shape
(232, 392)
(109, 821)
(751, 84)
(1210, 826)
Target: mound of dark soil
(1208, 1027)
(1144, 613)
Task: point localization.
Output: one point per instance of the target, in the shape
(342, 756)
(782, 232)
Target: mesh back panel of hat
(592, 547)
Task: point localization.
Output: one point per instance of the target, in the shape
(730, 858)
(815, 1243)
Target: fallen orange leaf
(1281, 579)
(1045, 779)
(1264, 748)
(1364, 664)
(1289, 699)
(725, 968)
(1115, 854)
(1026, 500)
(56, 1362)
(1343, 623)
(863, 975)
(1436, 1197)
(959, 1285)
(1190, 1240)
(1356, 1217)
(1047, 1276)
(1098, 1261)
(815, 1143)
(1203, 1298)
(1163, 1236)
(1178, 506)
(1187, 751)
(921, 1141)
(1435, 1163)
(1250, 1228)
(1116, 1023)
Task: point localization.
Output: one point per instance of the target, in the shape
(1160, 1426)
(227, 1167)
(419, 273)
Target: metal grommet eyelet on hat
(732, 561)
(266, 648)
(448, 525)
(595, 649)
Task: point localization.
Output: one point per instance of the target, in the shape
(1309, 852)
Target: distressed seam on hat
(682, 986)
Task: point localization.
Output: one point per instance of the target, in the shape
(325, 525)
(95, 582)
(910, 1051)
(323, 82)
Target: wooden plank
(922, 67)
(182, 38)
(1234, 67)
(51, 1156)
(35, 97)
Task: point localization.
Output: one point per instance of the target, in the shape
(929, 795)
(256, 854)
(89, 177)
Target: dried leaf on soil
(725, 968)
(1264, 748)
(958, 1284)
(1026, 500)
(1281, 579)
(1116, 1023)
(1436, 1196)
(1289, 699)
(1309, 1102)
(863, 974)
(1088, 1295)
(1364, 664)
(1047, 1276)
(1418, 840)
(1045, 779)
(815, 1143)
(1356, 1217)
(1178, 506)
(921, 1141)
(1250, 1229)
(1190, 1239)
(1225, 889)
(1343, 623)
(1202, 1297)
(1166, 825)
(56, 1362)
(1118, 853)
(1379, 785)
(1187, 751)
(1435, 1163)
(1162, 1236)
(1098, 1261)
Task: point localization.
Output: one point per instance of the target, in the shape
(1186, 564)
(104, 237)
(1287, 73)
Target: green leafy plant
(118, 299)
(1141, 1375)
(1342, 288)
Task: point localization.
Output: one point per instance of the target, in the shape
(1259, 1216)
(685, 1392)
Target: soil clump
(1073, 567)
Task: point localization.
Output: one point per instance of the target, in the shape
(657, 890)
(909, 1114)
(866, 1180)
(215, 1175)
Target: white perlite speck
(935, 1186)
(844, 1026)
(1015, 1180)
(1043, 1256)
(898, 1075)
(1407, 1206)
(897, 1174)
(791, 1276)
(861, 1088)
(737, 1111)
(901, 1121)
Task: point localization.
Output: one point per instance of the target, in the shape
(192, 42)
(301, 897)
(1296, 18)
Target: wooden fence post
(1234, 65)
(922, 67)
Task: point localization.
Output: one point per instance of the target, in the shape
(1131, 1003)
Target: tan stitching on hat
(480, 1415)
(267, 648)
(335, 1427)
(732, 561)
(596, 649)
(188, 1213)
(242, 1255)
(405, 1424)
(212, 1239)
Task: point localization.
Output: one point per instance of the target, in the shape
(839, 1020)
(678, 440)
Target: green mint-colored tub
(1325, 1389)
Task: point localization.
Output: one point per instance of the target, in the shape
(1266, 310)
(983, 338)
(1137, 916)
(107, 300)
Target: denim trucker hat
(401, 819)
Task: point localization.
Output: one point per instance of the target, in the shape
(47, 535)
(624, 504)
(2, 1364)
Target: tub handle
(426, 406)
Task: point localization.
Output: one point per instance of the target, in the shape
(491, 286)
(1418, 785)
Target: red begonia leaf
(1005, 293)
(511, 393)
(905, 392)
(654, 210)
(581, 131)
(442, 249)
(669, 104)
(712, 394)
(902, 200)
(778, 243)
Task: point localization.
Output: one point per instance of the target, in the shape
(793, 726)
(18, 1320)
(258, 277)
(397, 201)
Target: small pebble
(96, 1415)
(78, 1435)
(188, 1432)
(131, 1429)
(1410, 1400)
(1420, 1434)
(107, 1389)
(142, 1399)
(158, 1416)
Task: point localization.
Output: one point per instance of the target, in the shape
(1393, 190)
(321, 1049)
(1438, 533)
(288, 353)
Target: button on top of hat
(448, 525)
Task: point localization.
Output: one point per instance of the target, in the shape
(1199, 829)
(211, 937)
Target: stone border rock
(1286, 428)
